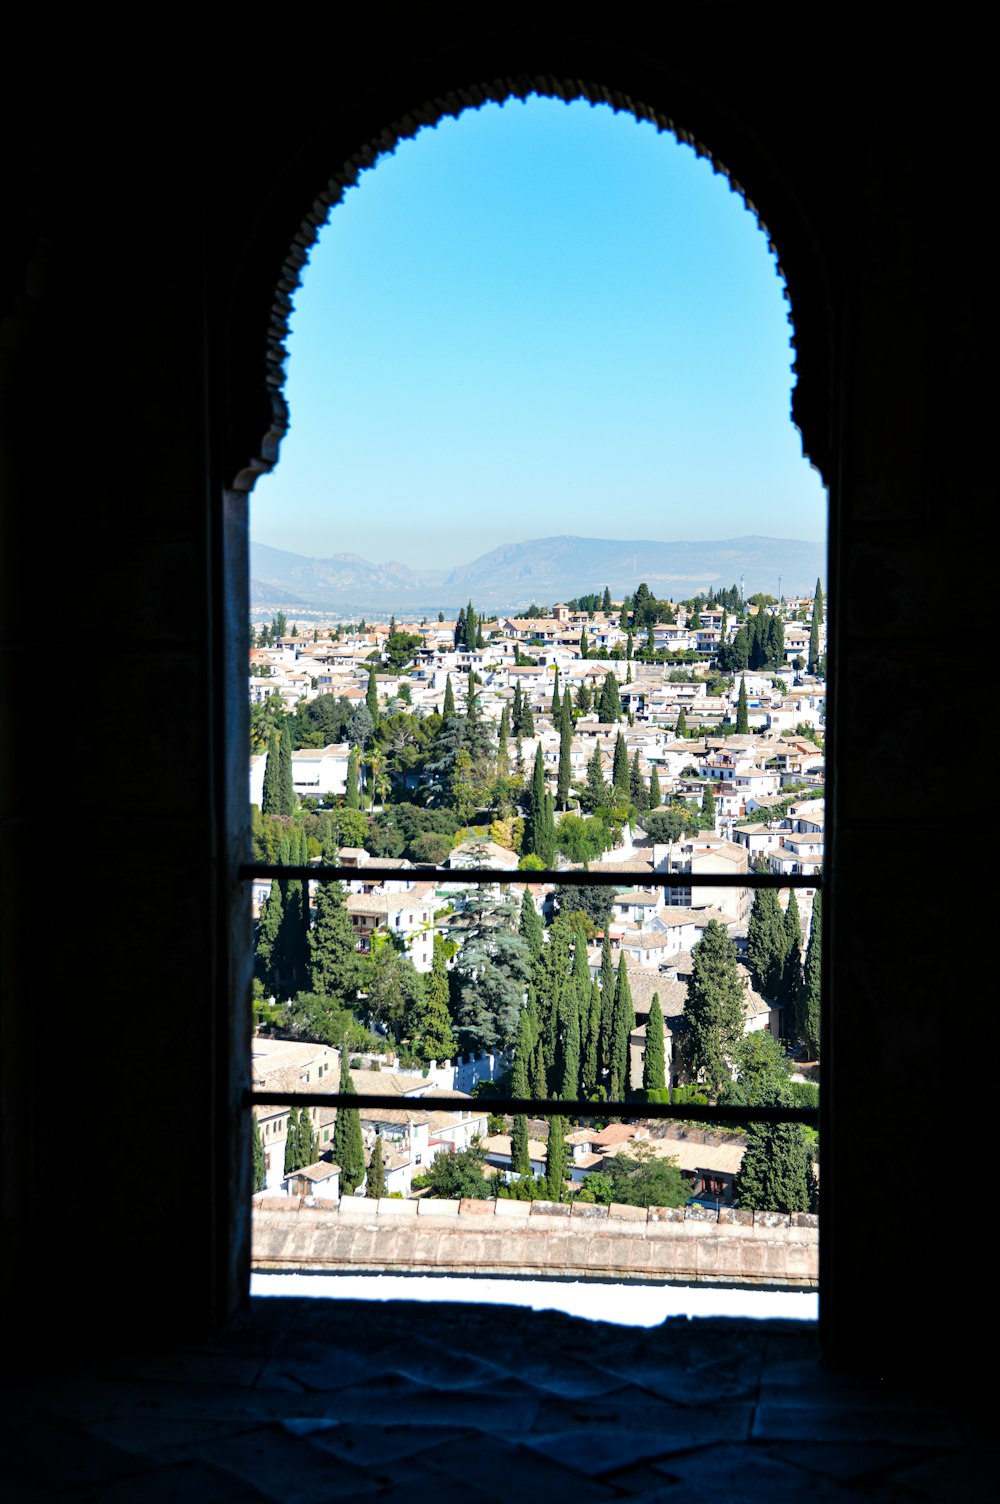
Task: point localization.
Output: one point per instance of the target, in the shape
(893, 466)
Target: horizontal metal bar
(537, 1107)
(571, 879)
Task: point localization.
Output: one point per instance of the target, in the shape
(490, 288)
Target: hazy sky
(539, 318)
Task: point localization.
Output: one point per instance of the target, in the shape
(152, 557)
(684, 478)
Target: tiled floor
(310, 1401)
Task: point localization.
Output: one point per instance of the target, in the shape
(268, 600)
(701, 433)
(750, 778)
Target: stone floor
(309, 1401)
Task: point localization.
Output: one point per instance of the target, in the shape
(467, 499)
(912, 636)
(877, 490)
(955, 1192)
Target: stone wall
(539, 1238)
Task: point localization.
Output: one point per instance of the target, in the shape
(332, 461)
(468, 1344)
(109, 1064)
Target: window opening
(647, 671)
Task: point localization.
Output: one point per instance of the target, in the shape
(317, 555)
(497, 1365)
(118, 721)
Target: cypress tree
(448, 708)
(766, 943)
(654, 1055)
(809, 1024)
(268, 929)
(583, 699)
(352, 798)
(471, 708)
(623, 1023)
(348, 1144)
(292, 1160)
(584, 645)
(259, 1162)
(597, 789)
(554, 714)
(334, 965)
(623, 617)
(620, 770)
(606, 600)
(637, 787)
(307, 1140)
(503, 737)
(607, 1001)
(714, 1008)
(518, 709)
(371, 696)
(556, 1159)
(742, 719)
(460, 628)
(471, 627)
(610, 709)
(791, 977)
(520, 1086)
(539, 1083)
(591, 1066)
(568, 1045)
(270, 799)
(286, 788)
(776, 1173)
(539, 831)
(681, 728)
(707, 820)
(565, 753)
(629, 648)
(655, 796)
(431, 1031)
(530, 927)
(375, 1184)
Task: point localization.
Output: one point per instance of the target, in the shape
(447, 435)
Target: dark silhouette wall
(157, 214)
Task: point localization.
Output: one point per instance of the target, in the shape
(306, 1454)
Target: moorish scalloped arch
(258, 354)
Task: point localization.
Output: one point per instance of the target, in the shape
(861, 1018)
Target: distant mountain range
(543, 570)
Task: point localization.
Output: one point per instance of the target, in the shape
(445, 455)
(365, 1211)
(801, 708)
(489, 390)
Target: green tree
(620, 771)
(714, 1009)
(809, 1021)
(371, 697)
(655, 796)
(623, 1022)
(597, 794)
(556, 1159)
(375, 1182)
(791, 975)
(638, 791)
(766, 943)
(641, 1177)
(708, 808)
(448, 708)
(259, 1163)
(742, 719)
(606, 600)
(270, 803)
(490, 979)
(681, 728)
(531, 928)
(556, 703)
(352, 798)
(610, 709)
(776, 1174)
(584, 645)
(429, 1021)
(459, 1176)
(292, 1156)
(539, 825)
(334, 964)
(654, 1055)
(520, 1086)
(583, 699)
(269, 927)
(565, 752)
(348, 1145)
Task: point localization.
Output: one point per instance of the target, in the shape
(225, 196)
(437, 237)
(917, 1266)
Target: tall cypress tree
(539, 837)
(371, 696)
(334, 964)
(268, 930)
(448, 708)
(503, 738)
(431, 1036)
(766, 943)
(809, 1025)
(606, 600)
(714, 1008)
(460, 640)
(742, 718)
(655, 796)
(637, 787)
(471, 708)
(292, 1160)
(654, 1055)
(610, 709)
(520, 1086)
(707, 820)
(608, 985)
(259, 1162)
(352, 798)
(286, 788)
(308, 1143)
(791, 976)
(623, 1023)
(565, 752)
(531, 927)
(590, 1068)
(270, 802)
(375, 1184)
(348, 1144)
(554, 714)
(620, 771)
(681, 728)
(584, 645)
(556, 1159)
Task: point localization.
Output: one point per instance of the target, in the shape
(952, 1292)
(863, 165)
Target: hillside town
(642, 738)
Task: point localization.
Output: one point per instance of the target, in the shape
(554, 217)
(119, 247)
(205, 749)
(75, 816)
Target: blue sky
(539, 318)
